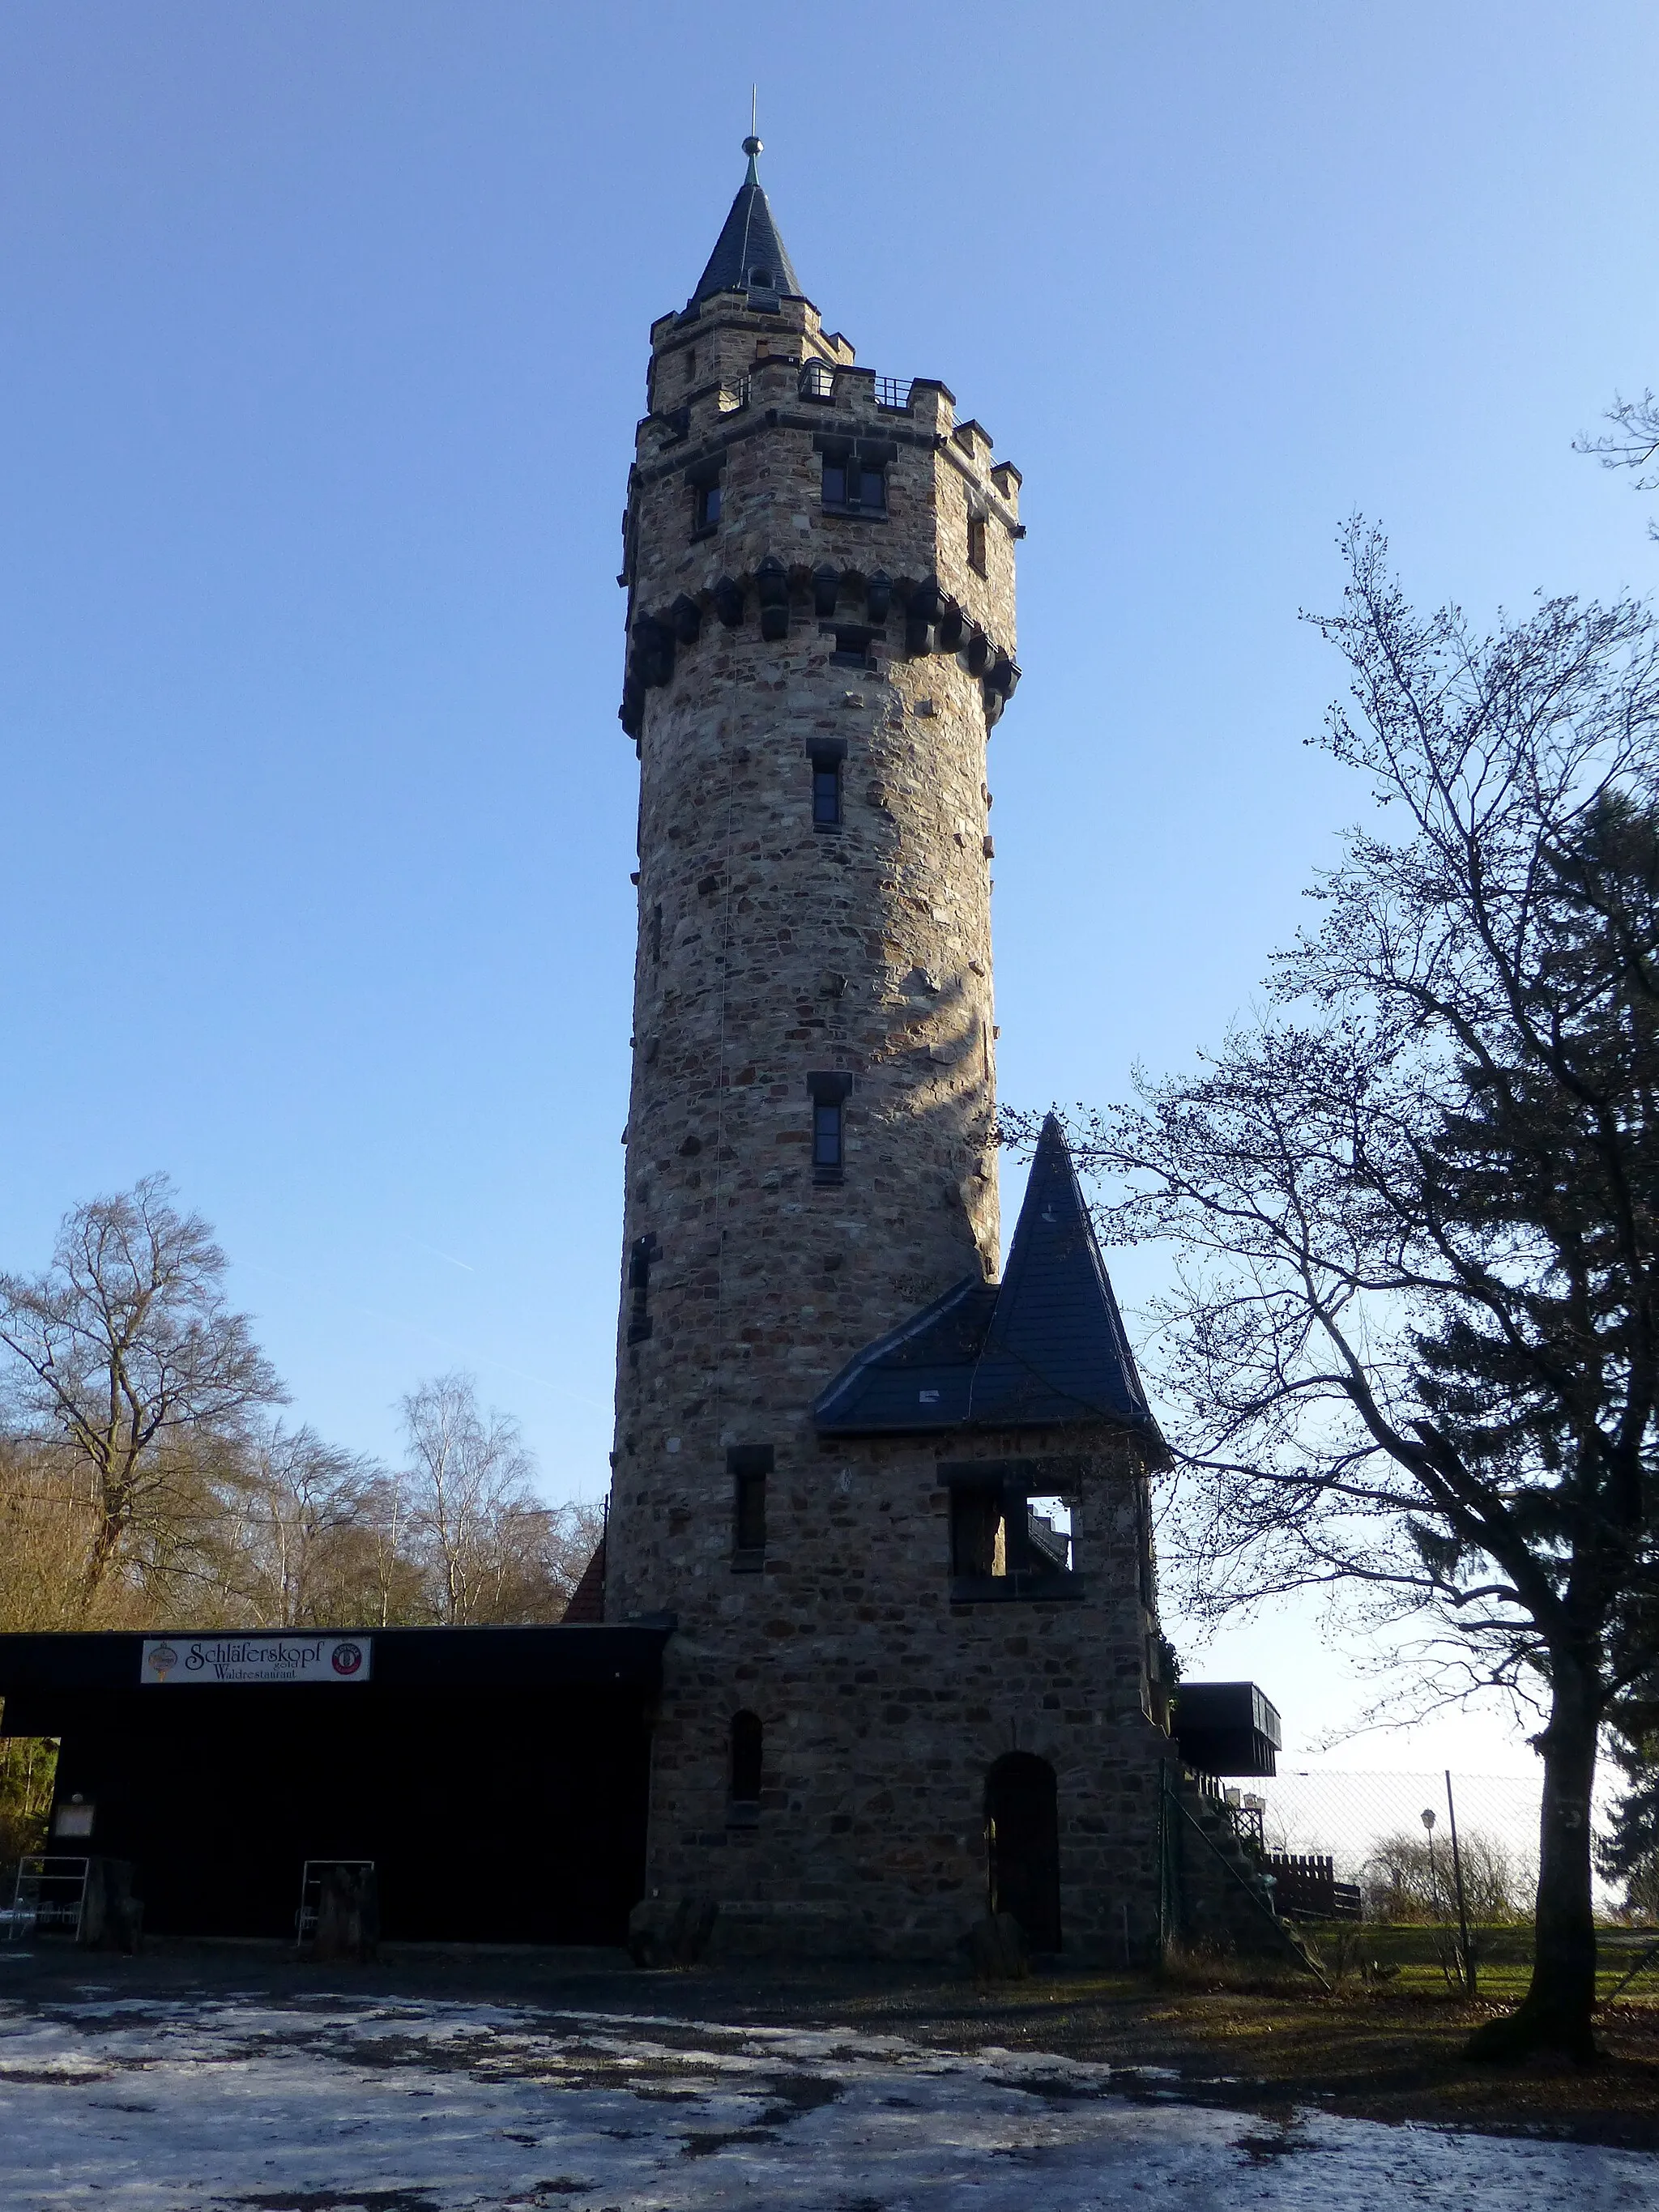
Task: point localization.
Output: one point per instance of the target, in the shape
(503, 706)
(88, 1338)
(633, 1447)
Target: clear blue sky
(324, 336)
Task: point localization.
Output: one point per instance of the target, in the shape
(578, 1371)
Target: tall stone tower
(896, 1508)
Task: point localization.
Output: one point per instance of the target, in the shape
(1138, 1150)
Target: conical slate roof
(1043, 1348)
(749, 254)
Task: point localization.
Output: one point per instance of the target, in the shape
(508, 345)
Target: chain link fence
(1372, 1828)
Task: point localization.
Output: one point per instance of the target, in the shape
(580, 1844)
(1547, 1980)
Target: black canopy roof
(749, 253)
(38, 1671)
(1043, 1348)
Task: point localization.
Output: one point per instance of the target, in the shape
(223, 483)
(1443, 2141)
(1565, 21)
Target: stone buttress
(898, 1509)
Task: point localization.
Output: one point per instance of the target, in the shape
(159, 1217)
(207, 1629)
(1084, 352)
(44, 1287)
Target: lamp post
(1434, 1878)
(1457, 1883)
(1434, 1889)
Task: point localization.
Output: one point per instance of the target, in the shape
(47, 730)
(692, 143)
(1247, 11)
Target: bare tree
(302, 1549)
(1633, 443)
(1407, 1879)
(493, 1550)
(126, 1354)
(46, 1528)
(1414, 1349)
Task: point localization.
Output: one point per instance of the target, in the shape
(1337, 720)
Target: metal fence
(1371, 1825)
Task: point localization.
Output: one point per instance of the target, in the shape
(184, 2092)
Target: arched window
(745, 1758)
(1021, 1836)
(761, 276)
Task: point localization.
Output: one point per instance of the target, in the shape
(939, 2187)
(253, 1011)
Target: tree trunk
(105, 1545)
(1556, 2012)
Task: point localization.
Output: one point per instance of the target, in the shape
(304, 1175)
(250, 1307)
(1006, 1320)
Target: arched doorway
(1022, 1838)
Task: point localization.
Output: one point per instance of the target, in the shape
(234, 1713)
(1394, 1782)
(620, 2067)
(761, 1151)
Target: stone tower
(896, 1508)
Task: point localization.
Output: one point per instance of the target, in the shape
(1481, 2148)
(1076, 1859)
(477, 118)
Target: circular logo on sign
(163, 1660)
(348, 1658)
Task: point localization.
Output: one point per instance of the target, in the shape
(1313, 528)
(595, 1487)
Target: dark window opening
(826, 794)
(827, 1142)
(976, 543)
(762, 276)
(656, 930)
(857, 487)
(706, 511)
(749, 1466)
(829, 1092)
(690, 362)
(745, 1758)
(1011, 1533)
(641, 1254)
(852, 648)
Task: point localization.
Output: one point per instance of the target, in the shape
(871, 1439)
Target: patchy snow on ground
(336, 2105)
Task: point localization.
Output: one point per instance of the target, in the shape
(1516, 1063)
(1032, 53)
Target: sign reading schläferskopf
(277, 1658)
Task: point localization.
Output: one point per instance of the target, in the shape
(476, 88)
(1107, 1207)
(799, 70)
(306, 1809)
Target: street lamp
(1434, 1877)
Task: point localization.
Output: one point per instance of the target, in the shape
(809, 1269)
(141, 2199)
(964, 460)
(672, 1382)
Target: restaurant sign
(255, 1659)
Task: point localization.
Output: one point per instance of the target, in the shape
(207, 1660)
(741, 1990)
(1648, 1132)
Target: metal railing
(49, 1898)
(817, 381)
(734, 397)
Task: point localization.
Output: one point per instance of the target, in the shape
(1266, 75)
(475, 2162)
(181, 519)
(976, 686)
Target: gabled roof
(1044, 1348)
(750, 253)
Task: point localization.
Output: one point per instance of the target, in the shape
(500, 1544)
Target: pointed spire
(1044, 1348)
(750, 255)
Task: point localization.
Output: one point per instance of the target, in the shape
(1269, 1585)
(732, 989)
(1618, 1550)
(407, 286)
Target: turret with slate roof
(1045, 1347)
(895, 1499)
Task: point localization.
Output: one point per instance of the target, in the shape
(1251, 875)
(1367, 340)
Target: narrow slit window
(829, 1092)
(746, 1748)
(750, 1466)
(826, 792)
(827, 1140)
(834, 483)
(706, 513)
(641, 1255)
(976, 543)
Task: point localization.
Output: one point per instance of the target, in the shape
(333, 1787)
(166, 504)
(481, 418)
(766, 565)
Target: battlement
(795, 490)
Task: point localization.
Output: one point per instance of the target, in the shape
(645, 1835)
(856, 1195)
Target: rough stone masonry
(898, 1507)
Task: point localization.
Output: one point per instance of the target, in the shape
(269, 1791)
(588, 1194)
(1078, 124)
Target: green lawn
(1409, 1956)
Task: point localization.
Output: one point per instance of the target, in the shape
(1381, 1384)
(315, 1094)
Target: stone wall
(884, 1704)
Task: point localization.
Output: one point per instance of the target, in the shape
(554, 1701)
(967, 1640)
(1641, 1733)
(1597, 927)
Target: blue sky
(324, 339)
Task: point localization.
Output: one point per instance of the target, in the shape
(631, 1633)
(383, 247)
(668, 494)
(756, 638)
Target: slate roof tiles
(1044, 1348)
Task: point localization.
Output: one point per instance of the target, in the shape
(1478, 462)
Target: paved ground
(193, 2081)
